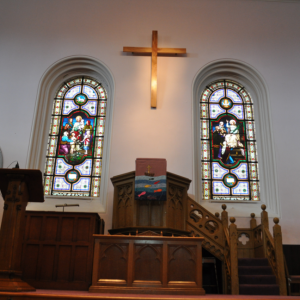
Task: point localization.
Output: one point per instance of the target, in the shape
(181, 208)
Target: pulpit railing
(272, 249)
(219, 239)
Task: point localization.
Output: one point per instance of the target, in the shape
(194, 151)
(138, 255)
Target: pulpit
(168, 217)
(148, 249)
(18, 187)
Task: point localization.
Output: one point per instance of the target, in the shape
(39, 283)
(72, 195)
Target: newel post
(264, 227)
(234, 257)
(279, 257)
(264, 217)
(224, 216)
(253, 223)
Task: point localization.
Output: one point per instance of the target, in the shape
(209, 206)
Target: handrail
(269, 250)
(257, 227)
(226, 232)
(227, 250)
(269, 236)
(273, 251)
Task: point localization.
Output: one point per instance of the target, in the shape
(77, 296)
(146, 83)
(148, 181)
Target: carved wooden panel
(203, 223)
(209, 243)
(176, 207)
(147, 264)
(125, 196)
(245, 243)
(182, 263)
(58, 249)
(113, 261)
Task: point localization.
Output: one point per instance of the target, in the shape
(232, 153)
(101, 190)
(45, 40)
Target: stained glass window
(228, 144)
(74, 152)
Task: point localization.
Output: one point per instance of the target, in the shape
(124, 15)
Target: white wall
(35, 34)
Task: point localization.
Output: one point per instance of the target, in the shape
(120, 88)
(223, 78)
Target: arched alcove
(255, 84)
(60, 72)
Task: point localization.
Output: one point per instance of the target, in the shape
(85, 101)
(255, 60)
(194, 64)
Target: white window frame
(52, 79)
(256, 86)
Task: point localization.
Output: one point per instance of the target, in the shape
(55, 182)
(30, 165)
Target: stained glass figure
(74, 154)
(229, 155)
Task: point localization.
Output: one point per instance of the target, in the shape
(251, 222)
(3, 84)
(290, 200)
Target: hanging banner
(151, 179)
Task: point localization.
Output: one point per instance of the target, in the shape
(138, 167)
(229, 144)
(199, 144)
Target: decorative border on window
(229, 156)
(255, 84)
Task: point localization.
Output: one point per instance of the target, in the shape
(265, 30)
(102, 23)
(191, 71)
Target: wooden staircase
(227, 243)
(179, 215)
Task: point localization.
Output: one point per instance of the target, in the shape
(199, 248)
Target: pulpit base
(147, 265)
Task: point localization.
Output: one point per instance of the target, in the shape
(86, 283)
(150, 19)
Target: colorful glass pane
(206, 95)
(73, 91)
(74, 153)
(57, 107)
(229, 154)
(74, 82)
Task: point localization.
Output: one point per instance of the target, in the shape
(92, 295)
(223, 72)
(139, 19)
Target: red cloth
(158, 166)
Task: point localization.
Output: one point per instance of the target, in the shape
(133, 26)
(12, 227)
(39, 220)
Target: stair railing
(233, 238)
(273, 251)
(222, 241)
(279, 257)
(203, 223)
(219, 239)
(227, 253)
(230, 250)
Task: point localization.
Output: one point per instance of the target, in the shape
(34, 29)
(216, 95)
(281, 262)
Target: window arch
(229, 155)
(255, 84)
(75, 144)
(63, 71)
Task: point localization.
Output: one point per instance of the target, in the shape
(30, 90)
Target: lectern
(18, 187)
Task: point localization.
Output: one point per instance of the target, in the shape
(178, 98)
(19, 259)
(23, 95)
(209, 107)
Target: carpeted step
(259, 289)
(257, 279)
(250, 262)
(265, 270)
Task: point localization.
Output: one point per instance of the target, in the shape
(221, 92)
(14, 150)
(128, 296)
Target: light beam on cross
(154, 52)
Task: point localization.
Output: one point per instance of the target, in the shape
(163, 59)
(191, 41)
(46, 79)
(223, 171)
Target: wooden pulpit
(166, 217)
(149, 249)
(18, 187)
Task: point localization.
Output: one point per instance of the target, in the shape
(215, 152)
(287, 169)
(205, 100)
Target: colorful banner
(151, 179)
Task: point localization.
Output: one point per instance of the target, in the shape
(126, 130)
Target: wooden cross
(154, 51)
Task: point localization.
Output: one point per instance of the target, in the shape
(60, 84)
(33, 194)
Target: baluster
(224, 216)
(234, 257)
(253, 223)
(279, 257)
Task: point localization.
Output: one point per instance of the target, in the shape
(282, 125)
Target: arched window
(228, 143)
(74, 153)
